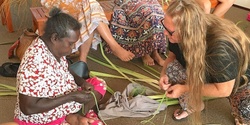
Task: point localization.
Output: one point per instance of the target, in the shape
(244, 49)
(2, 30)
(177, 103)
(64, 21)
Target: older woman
(209, 56)
(48, 93)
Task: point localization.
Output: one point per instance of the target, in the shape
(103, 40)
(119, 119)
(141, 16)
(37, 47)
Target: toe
(180, 114)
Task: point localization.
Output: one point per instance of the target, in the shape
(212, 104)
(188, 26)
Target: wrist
(163, 74)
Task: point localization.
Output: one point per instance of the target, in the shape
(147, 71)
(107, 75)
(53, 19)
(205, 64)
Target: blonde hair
(195, 30)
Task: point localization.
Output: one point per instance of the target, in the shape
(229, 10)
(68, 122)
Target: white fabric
(124, 105)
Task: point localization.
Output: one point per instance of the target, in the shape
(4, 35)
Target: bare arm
(169, 59)
(82, 82)
(205, 5)
(163, 82)
(223, 7)
(31, 105)
(223, 89)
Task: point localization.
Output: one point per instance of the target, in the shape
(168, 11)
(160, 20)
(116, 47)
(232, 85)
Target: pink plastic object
(98, 84)
(248, 16)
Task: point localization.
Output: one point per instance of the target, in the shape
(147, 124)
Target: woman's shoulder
(221, 50)
(219, 45)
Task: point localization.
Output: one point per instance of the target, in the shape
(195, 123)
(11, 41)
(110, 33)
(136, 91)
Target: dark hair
(59, 22)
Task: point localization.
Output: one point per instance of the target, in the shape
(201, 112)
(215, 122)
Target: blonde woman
(94, 26)
(209, 56)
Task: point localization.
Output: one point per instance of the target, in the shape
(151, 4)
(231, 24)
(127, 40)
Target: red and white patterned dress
(41, 75)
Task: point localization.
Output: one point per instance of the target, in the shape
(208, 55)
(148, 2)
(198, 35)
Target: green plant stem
(157, 77)
(114, 65)
(7, 93)
(8, 87)
(154, 114)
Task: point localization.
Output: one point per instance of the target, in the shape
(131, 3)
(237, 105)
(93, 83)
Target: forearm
(169, 59)
(223, 7)
(32, 105)
(205, 5)
(218, 89)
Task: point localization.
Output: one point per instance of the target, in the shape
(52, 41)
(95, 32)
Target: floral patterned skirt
(136, 26)
(240, 102)
(176, 74)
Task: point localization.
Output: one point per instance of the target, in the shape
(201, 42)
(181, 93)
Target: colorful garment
(41, 75)
(60, 121)
(240, 102)
(136, 26)
(214, 3)
(225, 69)
(88, 12)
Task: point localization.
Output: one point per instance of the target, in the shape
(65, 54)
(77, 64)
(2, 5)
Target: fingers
(165, 87)
(83, 96)
(88, 87)
(164, 83)
(169, 93)
(174, 91)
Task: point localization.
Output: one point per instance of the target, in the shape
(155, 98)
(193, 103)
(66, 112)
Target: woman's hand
(163, 83)
(176, 90)
(31, 105)
(86, 86)
(82, 96)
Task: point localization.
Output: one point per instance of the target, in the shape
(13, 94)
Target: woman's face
(65, 45)
(170, 29)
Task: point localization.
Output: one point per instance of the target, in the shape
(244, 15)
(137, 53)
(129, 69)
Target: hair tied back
(54, 12)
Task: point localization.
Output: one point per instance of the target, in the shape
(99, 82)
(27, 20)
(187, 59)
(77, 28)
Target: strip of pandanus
(6, 90)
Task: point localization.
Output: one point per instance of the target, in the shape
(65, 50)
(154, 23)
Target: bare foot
(148, 60)
(123, 54)
(180, 114)
(158, 58)
(117, 50)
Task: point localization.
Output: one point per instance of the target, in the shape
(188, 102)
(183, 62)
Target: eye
(72, 45)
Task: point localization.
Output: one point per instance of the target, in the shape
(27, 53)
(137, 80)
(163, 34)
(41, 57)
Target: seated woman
(48, 93)
(136, 26)
(94, 24)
